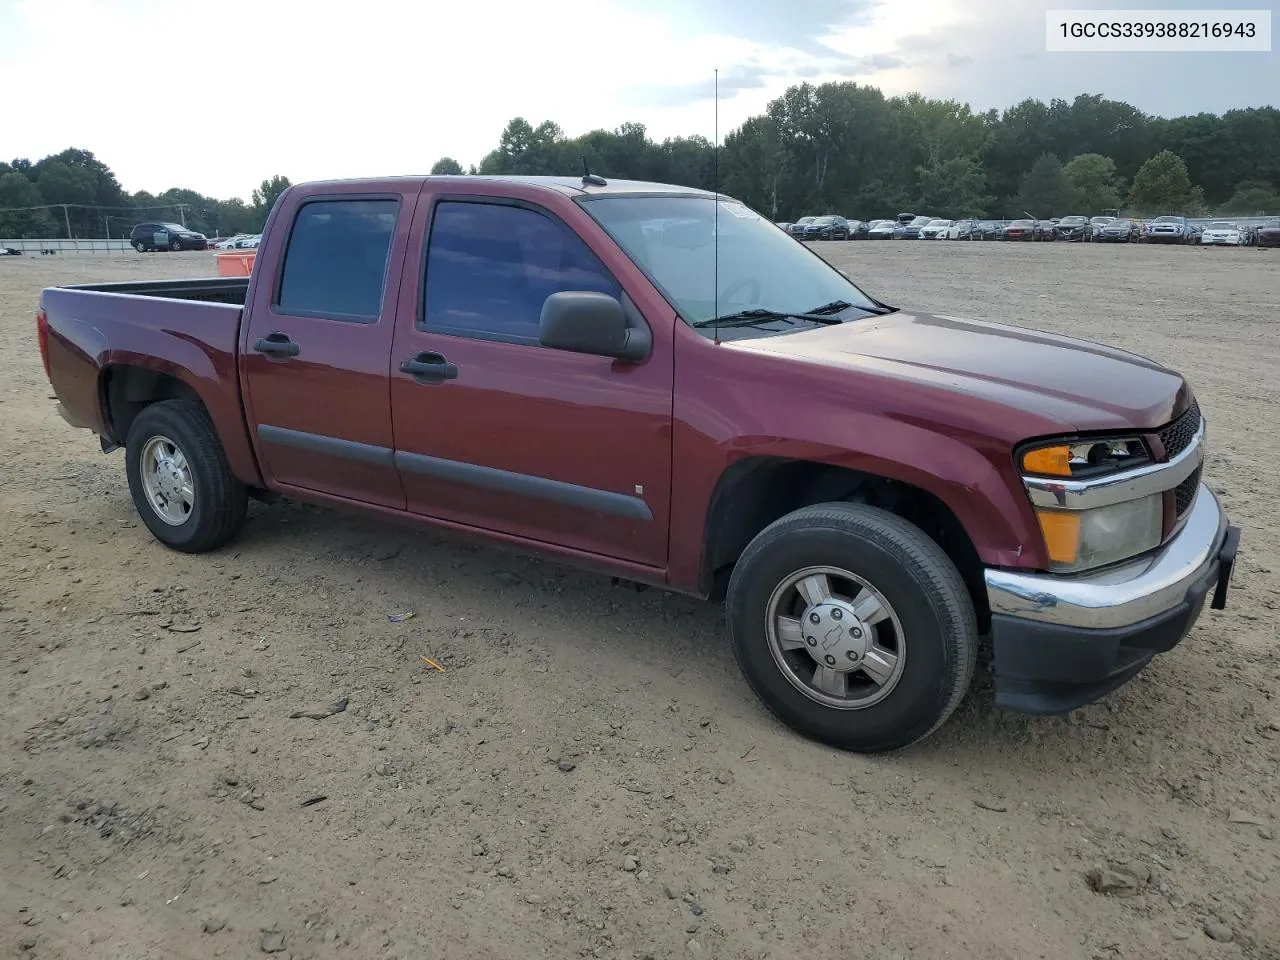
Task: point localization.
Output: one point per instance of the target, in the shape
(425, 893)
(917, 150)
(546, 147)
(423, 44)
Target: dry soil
(589, 776)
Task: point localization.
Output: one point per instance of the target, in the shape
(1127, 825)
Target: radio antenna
(715, 243)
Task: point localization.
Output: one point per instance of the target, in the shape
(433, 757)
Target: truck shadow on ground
(670, 637)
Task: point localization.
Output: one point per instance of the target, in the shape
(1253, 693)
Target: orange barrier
(237, 263)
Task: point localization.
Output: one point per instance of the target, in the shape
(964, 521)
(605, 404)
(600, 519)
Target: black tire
(175, 245)
(139, 246)
(220, 501)
(915, 577)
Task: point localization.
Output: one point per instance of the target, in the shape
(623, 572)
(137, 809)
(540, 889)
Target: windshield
(672, 239)
(939, 223)
(806, 220)
(1166, 220)
(1222, 225)
(1071, 221)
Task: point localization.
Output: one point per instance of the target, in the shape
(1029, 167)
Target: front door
(315, 352)
(497, 432)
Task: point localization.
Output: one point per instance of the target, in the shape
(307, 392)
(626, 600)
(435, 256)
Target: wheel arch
(754, 491)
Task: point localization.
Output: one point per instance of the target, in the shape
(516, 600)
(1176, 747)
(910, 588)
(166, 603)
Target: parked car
(1120, 231)
(911, 230)
(858, 229)
(963, 230)
(1096, 225)
(151, 236)
(230, 243)
(798, 228)
(1019, 230)
(1222, 233)
(886, 230)
(1268, 234)
(1041, 490)
(1073, 229)
(1171, 229)
(989, 230)
(934, 229)
(1045, 230)
(1248, 234)
(782, 224)
(828, 227)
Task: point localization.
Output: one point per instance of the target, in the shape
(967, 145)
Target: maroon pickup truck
(661, 385)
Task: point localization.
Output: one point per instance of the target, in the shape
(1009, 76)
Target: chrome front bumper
(1124, 595)
(1061, 642)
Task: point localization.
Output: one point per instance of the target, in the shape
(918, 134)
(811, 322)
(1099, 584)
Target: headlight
(1085, 459)
(1082, 539)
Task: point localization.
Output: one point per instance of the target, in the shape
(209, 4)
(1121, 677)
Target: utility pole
(66, 217)
(182, 212)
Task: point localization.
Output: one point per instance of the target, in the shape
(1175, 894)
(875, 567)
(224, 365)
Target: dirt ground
(589, 776)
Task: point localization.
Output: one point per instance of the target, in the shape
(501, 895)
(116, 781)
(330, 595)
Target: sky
(218, 96)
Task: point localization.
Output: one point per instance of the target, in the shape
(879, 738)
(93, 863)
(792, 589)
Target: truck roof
(569, 186)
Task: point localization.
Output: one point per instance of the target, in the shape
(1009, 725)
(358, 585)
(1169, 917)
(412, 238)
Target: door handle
(429, 367)
(277, 346)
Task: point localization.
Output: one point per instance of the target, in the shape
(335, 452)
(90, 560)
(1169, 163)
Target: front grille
(1185, 492)
(1178, 435)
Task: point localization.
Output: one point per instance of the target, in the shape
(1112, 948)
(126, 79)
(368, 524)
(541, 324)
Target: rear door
(512, 437)
(316, 346)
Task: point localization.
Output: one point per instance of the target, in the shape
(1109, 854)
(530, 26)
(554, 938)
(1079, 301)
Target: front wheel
(181, 483)
(139, 246)
(175, 245)
(852, 626)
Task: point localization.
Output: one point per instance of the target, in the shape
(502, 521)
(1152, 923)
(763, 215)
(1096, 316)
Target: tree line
(834, 147)
(33, 195)
(847, 148)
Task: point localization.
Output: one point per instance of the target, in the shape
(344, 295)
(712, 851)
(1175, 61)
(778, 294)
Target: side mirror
(583, 321)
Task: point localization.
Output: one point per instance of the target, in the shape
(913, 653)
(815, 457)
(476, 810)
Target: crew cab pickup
(657, 383)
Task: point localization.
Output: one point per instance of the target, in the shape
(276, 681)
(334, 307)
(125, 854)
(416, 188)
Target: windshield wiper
(835, 306)
(747, 318)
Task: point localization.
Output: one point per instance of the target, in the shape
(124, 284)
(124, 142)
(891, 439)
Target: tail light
(42, 337)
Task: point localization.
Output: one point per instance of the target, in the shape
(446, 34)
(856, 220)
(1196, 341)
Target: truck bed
(228, 290)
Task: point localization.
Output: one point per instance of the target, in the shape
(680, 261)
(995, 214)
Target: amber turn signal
(1053, 461)
(1061, 531)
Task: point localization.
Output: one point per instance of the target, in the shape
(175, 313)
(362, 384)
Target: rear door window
(335, 265)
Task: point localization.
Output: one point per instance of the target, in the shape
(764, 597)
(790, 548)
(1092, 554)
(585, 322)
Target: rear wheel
(852, 626)
(175, 245)
(139, 246)
(181, 483)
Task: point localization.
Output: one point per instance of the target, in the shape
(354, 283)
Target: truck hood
(1071, 385)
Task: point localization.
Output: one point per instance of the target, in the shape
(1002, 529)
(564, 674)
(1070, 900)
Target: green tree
(1094, 178)
(446, 166)
(1162, 186)
(17, 193)
(1252, 197)
(264, 198)
(1046, 191)
(953, 188)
